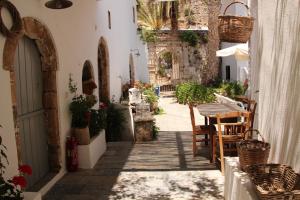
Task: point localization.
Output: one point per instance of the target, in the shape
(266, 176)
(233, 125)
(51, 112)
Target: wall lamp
(135, 51)
(58, 4)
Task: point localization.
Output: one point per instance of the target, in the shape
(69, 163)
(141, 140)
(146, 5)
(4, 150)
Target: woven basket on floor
(253, 151)
(274, 181)
(236, 29)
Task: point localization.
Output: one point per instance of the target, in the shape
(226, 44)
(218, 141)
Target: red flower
(26, 169)
(19, 180)
(102, 105)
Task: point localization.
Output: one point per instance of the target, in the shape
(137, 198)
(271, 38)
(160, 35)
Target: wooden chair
(252, 109)
(229, 134)
(250, 106)
(203, 130)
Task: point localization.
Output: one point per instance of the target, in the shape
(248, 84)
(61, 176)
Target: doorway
(103, 71)
(131, 71)
(30, 110)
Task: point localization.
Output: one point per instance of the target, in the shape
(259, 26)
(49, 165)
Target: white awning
(240, 52)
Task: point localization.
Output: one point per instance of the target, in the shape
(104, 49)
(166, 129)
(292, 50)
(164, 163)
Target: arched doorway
(88, 81)
(103, 71)
(32, 61)
(131, 71)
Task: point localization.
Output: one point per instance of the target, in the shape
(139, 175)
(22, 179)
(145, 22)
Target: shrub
(231, 89)
(97, 121)
(191, 37)
(148, 35)
(191, 92)
(115, 123)
(150, 96)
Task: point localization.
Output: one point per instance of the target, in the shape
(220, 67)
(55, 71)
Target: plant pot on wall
(82, 135)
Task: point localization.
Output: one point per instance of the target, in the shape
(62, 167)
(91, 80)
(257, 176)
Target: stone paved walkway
(160, 170)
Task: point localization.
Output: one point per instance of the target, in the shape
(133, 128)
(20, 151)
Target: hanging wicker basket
(274, 181)
(253, 151)
(235, 29)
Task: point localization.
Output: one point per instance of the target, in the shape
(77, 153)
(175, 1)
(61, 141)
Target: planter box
(237, 183)
(88, 155)
(82, 135)
(32, 196)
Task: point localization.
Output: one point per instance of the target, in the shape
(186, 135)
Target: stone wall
(198, 18)
(189, 62)
(213, 39)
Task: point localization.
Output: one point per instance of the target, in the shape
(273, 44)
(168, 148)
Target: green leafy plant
(80, 107)
(161, 71)
(151, 98)
(148, 36)
(159, 111)
(191, 37)
(97, 121)
(191, 92)
(231, 89)
(155, 130)
(115, 123)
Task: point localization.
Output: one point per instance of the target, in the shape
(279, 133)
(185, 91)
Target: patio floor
(163, 169)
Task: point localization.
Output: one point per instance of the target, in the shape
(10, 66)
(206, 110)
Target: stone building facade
(189, 63)
(193, 14)
(197, 63)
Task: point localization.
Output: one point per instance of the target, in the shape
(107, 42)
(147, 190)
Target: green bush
(148, 35)
(231, 89)
(191, 37)
(97, 121)
(197, 93)
(150, 96)
(115, 123)
(191, 92)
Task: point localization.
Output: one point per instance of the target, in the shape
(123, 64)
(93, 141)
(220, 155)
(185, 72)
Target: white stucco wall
(275, 54)
(76, 33)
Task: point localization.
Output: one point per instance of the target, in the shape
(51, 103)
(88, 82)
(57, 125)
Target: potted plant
(80, 108)
(12, 189)
(97, 121)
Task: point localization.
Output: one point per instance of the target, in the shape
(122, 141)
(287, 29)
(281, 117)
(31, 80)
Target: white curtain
(278, 61)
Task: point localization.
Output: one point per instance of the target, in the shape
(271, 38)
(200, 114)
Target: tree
(150, 15)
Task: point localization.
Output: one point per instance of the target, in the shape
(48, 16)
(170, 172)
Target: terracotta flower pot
(82, 135)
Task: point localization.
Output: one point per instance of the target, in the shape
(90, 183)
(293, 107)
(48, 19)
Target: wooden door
(103, 73)
(29, 91)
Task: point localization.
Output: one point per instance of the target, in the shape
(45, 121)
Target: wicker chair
(229, 134)
(198, 130)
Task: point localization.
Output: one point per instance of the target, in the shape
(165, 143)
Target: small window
(133, 14)
(88, 83)
(228, 72)
(109, 20)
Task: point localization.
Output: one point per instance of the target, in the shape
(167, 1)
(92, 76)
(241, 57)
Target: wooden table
(210, 110)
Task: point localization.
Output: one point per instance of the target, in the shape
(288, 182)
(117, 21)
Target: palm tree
(150, 15)
(155, 13)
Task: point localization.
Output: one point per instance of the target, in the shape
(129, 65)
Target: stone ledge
(32, 196)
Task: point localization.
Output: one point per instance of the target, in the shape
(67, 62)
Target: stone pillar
(213, 40)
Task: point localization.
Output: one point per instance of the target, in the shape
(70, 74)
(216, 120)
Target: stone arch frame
(175, 61)
(103, 70)
(38, 32)
(90, 81)
(131, 70)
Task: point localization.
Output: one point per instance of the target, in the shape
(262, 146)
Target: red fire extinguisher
(72, 154)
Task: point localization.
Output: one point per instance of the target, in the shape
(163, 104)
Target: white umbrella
(240, 52)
